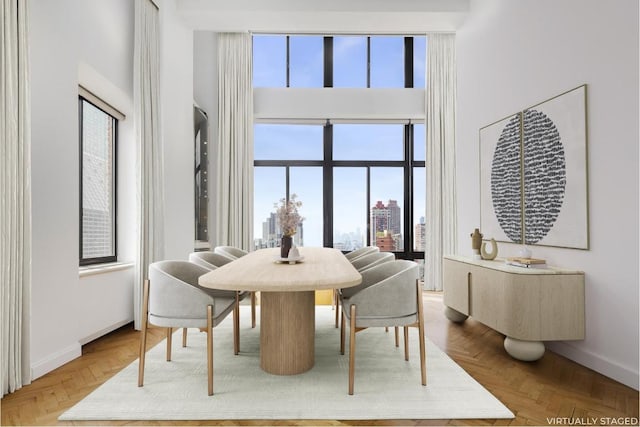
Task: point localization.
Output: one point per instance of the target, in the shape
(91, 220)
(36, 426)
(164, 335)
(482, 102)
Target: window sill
(104, 268)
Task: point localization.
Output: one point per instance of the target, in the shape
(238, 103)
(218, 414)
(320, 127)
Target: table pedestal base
(287, 332)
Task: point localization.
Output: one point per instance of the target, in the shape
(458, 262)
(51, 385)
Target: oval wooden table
(287, 300)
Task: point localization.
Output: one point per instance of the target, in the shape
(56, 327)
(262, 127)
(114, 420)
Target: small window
(306, 61)
(368, 142)
(387, 61)
(419, 61)
(269, 61)
(287, 142)
(98, 140)
(350, 61)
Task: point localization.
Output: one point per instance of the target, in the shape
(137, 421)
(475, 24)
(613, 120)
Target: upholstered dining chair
(352, 256)
(362, 264)
(355, 254)
(232, 253)
(211, 261)
(173, 299)
(389, 295)
(371, 260)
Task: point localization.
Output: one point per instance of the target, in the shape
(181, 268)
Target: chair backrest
(230, 251)
(208, 259)
(391, 290)
(174, 292)
(351, 256)
(367, 261)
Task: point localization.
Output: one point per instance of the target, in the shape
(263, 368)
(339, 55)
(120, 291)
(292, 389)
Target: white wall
(73, 41)
(512, 55)
(176, 86)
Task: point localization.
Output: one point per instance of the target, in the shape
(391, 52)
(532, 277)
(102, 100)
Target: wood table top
(322, 268)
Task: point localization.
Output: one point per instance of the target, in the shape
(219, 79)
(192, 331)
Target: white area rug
(386, 386)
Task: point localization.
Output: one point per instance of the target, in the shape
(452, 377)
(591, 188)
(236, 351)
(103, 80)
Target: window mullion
(328, 61)
(408, 62)
(369, 62)
(288, 56)
(327, 186)
(408, 188)
(368, 207)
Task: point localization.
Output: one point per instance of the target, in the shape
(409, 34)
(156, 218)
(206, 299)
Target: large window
(360, 184)
(361, 181)
(98, 140)
(348, 61)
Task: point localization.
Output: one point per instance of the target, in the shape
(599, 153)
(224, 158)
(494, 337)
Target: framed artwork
(501, 180)
(533, 174)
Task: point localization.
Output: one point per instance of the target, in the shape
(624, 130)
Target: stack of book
(526, 262)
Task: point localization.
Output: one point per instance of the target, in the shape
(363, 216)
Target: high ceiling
(326, 16)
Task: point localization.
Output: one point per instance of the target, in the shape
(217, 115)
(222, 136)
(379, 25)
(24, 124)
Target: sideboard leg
(454, 315)
(527, 351)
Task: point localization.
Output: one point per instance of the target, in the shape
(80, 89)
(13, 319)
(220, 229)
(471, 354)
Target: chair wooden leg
(337, 301)
(406, 343)
(423, 354)
(210, 349)
(236, 325)
(184, 337)
(352, 348)
(169, 335)
(395, 330)
(143, 336)
(342, 334)
(253, 309)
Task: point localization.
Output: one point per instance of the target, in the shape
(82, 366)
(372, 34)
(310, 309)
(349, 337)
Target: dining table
(287, 299)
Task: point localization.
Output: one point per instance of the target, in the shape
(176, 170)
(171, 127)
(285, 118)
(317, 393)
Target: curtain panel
(15, 185)
(234, 191)
(146, 99)
(441, 228)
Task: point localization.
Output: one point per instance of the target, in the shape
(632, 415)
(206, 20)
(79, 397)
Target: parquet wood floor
(535, 392)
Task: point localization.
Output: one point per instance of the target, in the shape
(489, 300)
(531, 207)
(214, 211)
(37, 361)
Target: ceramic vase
(285, 246)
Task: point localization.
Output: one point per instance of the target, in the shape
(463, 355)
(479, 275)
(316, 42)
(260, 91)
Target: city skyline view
(369, 160)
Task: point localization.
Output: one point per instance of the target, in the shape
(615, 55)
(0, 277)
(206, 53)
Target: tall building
(386, 224)
(419, 235)
(395, 217)
(379, 219)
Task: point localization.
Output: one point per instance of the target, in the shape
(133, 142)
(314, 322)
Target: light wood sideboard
(528, 305)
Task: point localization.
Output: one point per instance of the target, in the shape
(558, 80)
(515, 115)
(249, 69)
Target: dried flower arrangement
(288, 215)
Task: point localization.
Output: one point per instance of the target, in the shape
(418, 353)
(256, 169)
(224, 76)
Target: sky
(350, 141)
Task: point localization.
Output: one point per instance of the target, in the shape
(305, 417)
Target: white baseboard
(625, 375)
(104, 331)
(55, 360)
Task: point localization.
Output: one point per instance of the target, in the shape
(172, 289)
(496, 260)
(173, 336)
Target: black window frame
(328, 164)
(114, 147)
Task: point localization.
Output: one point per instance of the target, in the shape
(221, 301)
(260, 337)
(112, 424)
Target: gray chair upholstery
(353, 255)
(232, 253)
(211, 261)
(362, 263)
(389, 295)
(174, 299)
(371, 260)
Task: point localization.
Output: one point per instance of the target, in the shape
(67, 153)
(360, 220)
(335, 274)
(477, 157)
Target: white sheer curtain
(234, 195)
(15, 185)
(146, 94)
(441, 156)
